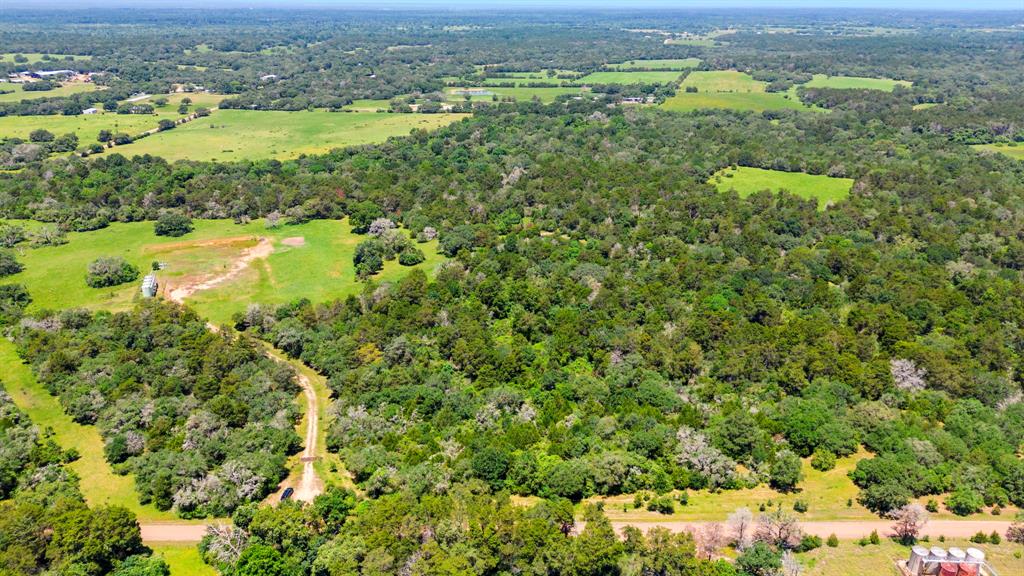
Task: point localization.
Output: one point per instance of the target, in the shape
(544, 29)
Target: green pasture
(746, 181)
(520, 93)
(37, 57)
(657, 63)
(229, 135)
(182, 558)
(880, 560)
(925, 105)
(15, 92)
(86, 126)
(691, 41)
(1016, 152)
(320, 269)
(855, 82)
(722, 81)
(755, 101)
(368, 105)
(632, 77)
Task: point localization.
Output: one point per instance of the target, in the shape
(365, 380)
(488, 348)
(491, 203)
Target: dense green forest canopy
(607, 321)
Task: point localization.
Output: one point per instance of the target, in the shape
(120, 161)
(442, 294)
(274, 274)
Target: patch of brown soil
(294, 241)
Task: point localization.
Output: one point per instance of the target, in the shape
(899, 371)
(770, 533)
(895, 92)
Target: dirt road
(308, 484)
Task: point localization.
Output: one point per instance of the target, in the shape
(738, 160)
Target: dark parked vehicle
(287, 493)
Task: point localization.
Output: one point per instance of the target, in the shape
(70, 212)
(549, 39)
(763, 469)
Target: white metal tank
(935, 557)
(975, 555)
(918, 554)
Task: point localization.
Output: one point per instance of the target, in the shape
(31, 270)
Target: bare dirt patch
(294, 241)
(261, 250)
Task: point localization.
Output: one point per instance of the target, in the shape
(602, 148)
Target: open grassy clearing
(924, 105)
(37, 57)
(98, 483)
(747, 181)
(15, 92)
(183, 559)
(730, 89)
(826, 494)
(632, 77)
(658, 64)
(368, 105)
(855, 82)
(86, 126)
(320, 269)
(754, 101)
(1016, 152)
(486, 94)
(199, 99)
(228, 135)
(850, 558)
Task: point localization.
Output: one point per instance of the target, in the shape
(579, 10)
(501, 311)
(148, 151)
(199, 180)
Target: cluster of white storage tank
(954, 562)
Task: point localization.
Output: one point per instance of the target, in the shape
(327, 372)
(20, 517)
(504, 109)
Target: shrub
(8, 264)
(932, 506)
(995, 538)
(873, 538)
(785, 471)
(111, 271)
(800, 506)
(684, 498)
(173, 224)
(411, 257)
(808, 543)
(661, 505)
(833, 541)
(980, 538)
(823, 460)
(964, 501)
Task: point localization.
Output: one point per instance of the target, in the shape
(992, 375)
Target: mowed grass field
(855, 82)
(849, 558)
(99, 484)
(20, 94)
(320, 269)
(1016, 152)
(658, 63)
(730, 89)
(86, 126)
(520, 93)
(36, 57)
(747, 181)
(632, 77)
(183, 559)
(228, 135)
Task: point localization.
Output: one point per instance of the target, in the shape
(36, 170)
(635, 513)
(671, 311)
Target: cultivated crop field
(855, 82)
(658, 64)
(320, 268)
(746, 181)
(66, 89)
(229, 135)
(632, 77)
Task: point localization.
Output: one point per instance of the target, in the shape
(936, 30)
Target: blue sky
(1017, 5)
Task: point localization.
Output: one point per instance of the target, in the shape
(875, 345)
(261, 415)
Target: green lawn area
(520, 93)
(657, 63)
(880, 560)
(86, 126)
(826, 494)
(99, 484)
(631, 77)
(723, 81)
(37, 57)
(747, 181)
(855, 82)
(925, 105)
(730, 89)
(19, 94)
(755, 101)
(1016, 152)
(320, 269)
(229, 135)
(184, 559)
(368, 105)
